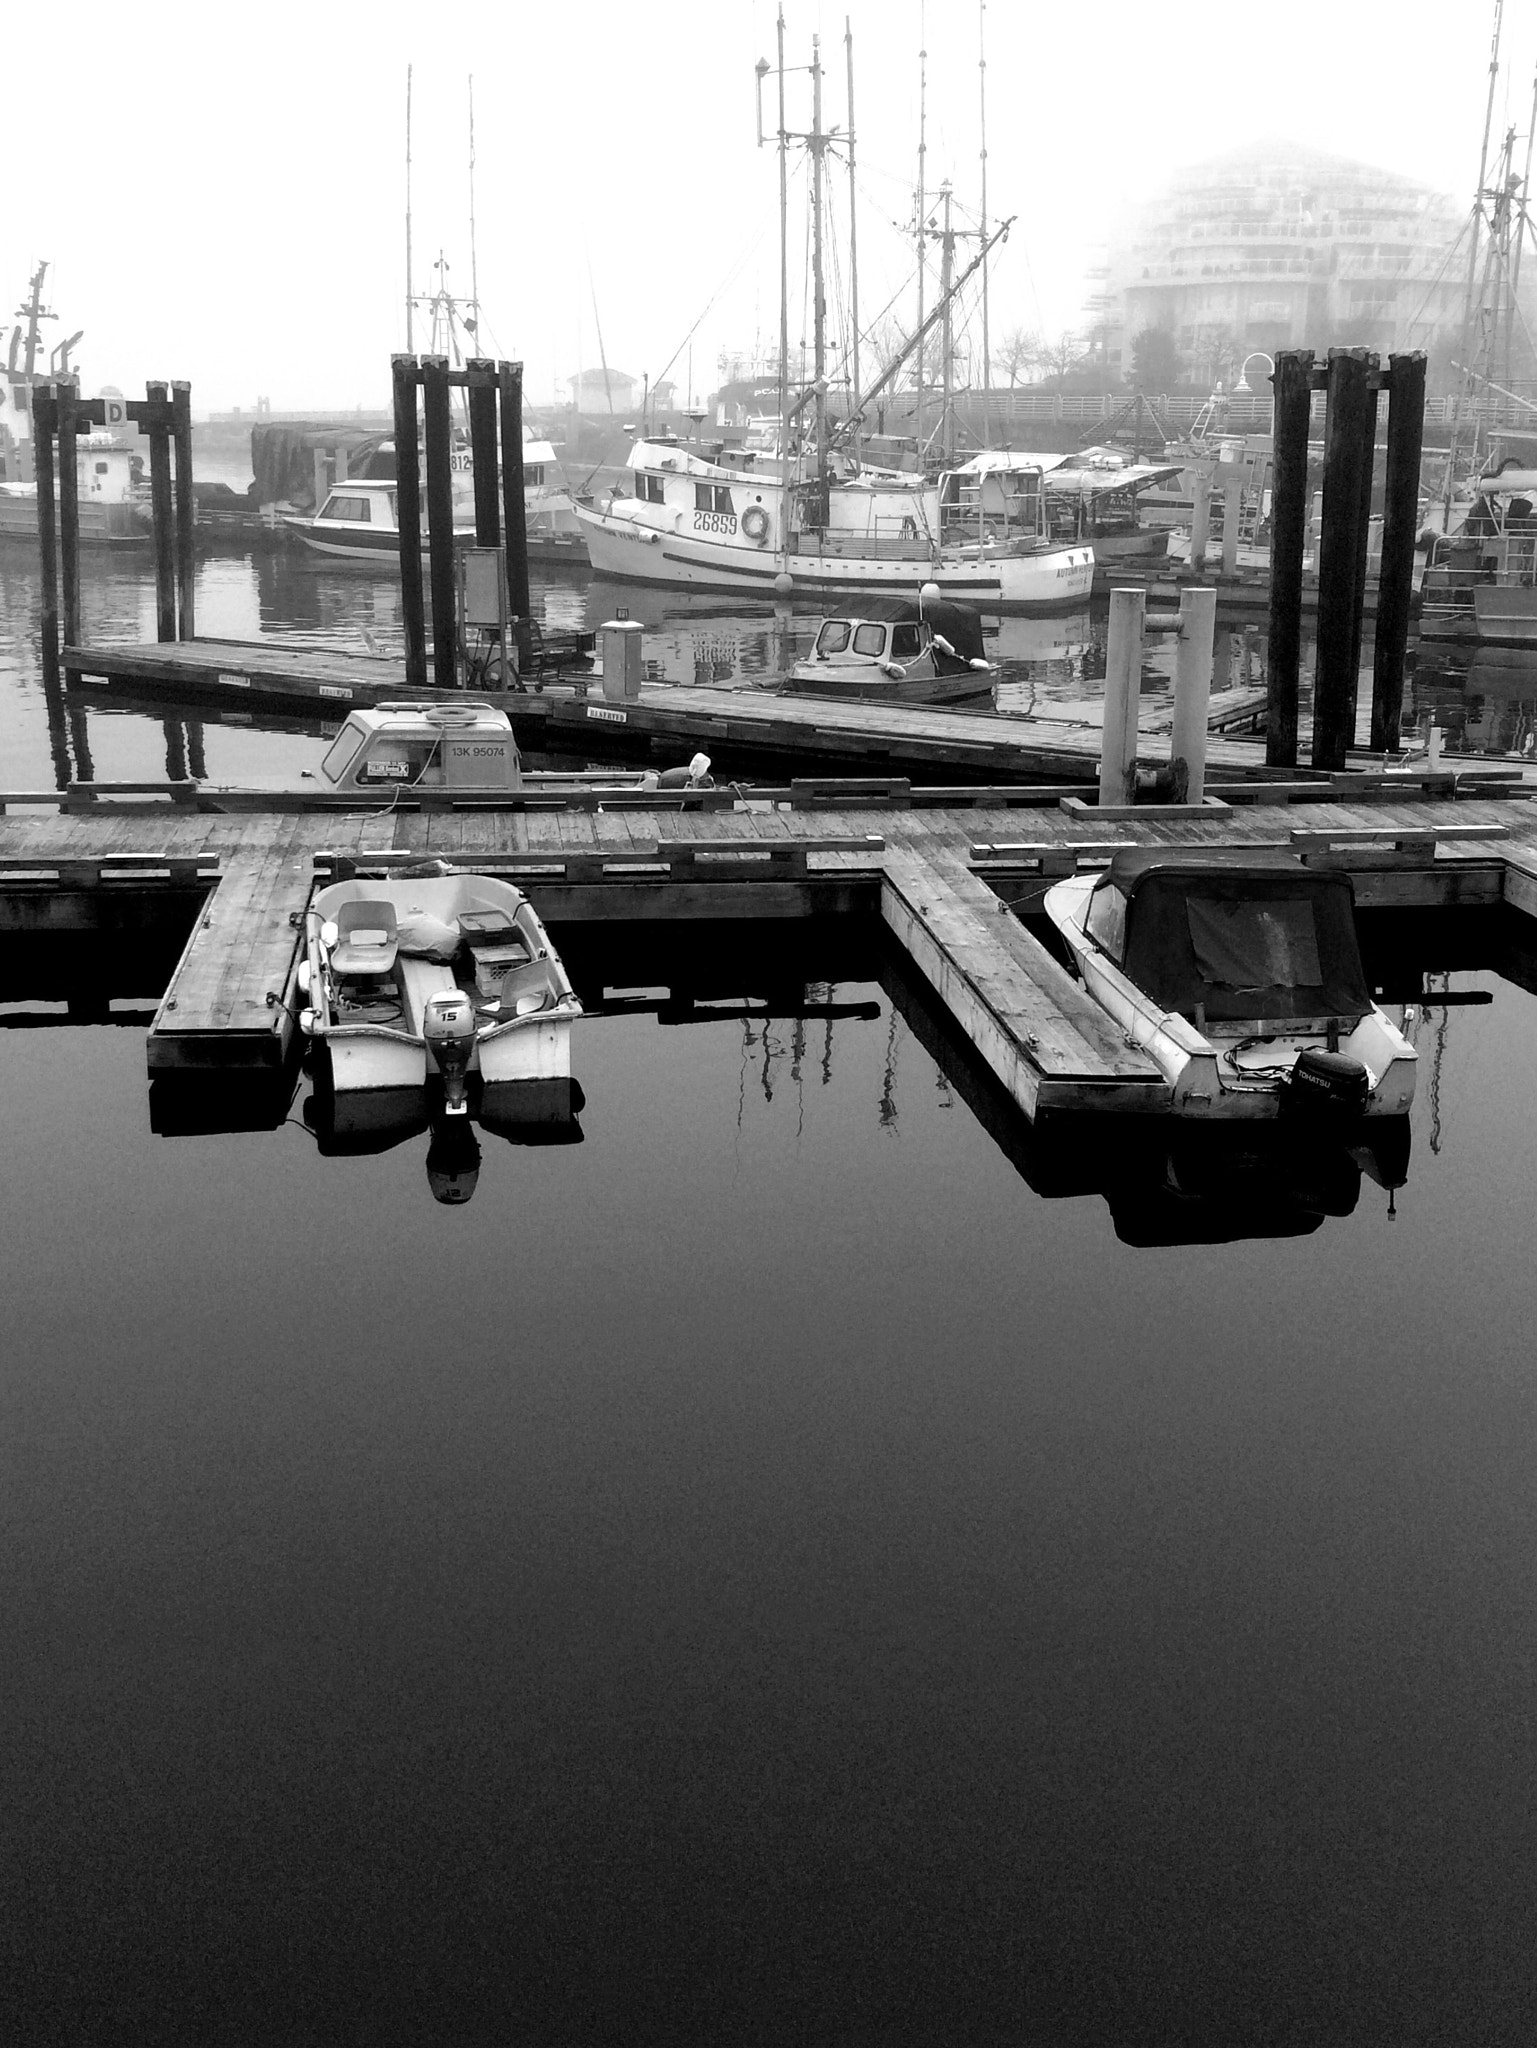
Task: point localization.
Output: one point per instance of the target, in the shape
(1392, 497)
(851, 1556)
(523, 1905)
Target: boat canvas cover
(957, 623)
(283, 457)
(1261, 938)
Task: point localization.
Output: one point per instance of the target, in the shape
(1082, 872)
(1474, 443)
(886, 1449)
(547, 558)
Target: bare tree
(1019, 352)
(1060, 355)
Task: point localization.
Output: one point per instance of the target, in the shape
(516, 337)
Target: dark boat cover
(1260, 936)
(283, 457)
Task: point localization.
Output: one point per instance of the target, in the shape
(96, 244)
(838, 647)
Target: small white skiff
(435, 974)
(1241, 977)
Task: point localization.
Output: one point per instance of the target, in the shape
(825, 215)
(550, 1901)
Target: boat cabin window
(533, 472)
(834, 637)
(906, 641)
(870, 640)
(1255, 944)
(339, 507)
(713, 498)
(343, 751)
(649, 488)
(1106, 921)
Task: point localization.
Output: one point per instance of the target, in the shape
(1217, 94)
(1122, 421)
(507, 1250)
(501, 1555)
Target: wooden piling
(1347, 472)
(510, 383)
(159, 397)
(1363, 540)
(186, 511)
(1200, 520)
(408, 518)
(1232, 520)
(438, 426)
(483, 450)
(68, 393)
(1293, 387)
(1123, 689)
(1192, 693)
(1400, 531)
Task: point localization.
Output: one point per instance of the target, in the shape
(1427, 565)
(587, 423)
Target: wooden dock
(940, 879)
(745, 731)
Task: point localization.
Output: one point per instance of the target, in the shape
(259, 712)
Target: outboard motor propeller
(453, 1163)
(449, 1029)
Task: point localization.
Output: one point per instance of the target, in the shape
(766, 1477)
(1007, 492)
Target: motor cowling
(448, 1026)
(1327, 1083)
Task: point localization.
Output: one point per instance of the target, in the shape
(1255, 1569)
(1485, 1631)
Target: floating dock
(944, 881)
(746, 731)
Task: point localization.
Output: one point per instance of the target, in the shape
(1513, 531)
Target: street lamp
(1257, 355)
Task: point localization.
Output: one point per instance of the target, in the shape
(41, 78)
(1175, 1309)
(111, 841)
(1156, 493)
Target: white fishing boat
(1240, 976)
(1480, 583)
(897, 650)
(357, 521)
(434, 975)
(684, 520)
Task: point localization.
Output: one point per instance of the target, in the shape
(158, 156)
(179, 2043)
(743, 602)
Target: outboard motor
(449, 1029)
(695, 776)
(1328, 1083)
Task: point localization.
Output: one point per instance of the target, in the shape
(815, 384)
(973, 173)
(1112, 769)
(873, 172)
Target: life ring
(755, 524)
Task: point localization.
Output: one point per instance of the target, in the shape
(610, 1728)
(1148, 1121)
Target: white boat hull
(1045, 580)
(364, 1057)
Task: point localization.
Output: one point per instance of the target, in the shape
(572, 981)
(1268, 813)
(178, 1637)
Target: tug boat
(1240, 976)
(433, 974)
(898, 650)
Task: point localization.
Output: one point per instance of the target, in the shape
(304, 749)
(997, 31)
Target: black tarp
(1261, 936)
(283, 457)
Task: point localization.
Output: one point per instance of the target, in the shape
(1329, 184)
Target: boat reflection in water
(1166, 1182)
(352, 1124)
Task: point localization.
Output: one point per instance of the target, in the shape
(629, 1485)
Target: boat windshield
(351, 505)
(834, 637)
(343, 751)
(870, 640)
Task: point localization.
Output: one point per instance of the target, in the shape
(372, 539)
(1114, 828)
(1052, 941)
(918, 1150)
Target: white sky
(221, 196)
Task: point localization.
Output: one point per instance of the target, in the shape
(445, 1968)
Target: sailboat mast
(1483, 171)
(474, 269)
(784, 303)
(987, 346)
(947, 340)
(410, 297)
(848, 49)
(923, 89)
(819, 298)
(1524, 215)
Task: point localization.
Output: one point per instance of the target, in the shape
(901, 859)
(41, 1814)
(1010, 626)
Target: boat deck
(941, 880)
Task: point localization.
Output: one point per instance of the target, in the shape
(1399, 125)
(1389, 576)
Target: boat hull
(630, 552)
(366, 1060)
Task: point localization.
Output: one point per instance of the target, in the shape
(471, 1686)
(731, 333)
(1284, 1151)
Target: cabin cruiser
(897, 650)
(1240, 976)
(357, 520)
(434, 974)
(681, 519)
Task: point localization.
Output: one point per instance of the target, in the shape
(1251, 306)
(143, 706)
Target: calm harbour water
(774, 1571)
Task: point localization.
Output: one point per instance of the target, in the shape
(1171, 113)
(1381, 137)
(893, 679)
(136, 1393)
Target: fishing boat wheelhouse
(897, 650)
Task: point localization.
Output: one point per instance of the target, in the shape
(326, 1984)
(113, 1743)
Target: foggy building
(1274, 245)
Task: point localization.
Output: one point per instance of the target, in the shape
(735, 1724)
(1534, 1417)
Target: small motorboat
(466, 749)
(435, 975)
(1240, 975)
(898, 650)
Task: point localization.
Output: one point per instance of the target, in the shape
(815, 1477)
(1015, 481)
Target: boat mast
(987, 347)
(473, 323)
(923, 88)
(947, 332)
(848, 48)
(410, 299)
(34, 312)
(819, 299)
(784, 310)
(1483, 170)
(1524, 212)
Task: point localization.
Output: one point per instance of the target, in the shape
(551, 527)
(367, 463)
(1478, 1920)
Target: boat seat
(366, 938)
(531, 979)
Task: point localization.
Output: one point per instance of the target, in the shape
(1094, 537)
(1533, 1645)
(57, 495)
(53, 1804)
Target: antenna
(473, 323)
(987, 349)
(848, 47)
(410, 318)
(923, 252)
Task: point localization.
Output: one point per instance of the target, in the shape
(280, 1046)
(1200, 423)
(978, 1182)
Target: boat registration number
(603, 711)
(715, 522)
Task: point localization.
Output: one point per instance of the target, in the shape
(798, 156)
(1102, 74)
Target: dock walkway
(743, 730)
(941, 880)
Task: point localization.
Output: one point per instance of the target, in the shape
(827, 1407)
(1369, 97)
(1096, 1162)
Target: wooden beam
(1293, 385)
(159, 429)
(186, 512)
(408, 518)
(1400, 531)
(440, 522)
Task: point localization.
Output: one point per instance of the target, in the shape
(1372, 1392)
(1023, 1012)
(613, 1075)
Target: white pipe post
(1200, 520)
(1192, 693)
(1232, 519)
(1123, 687)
